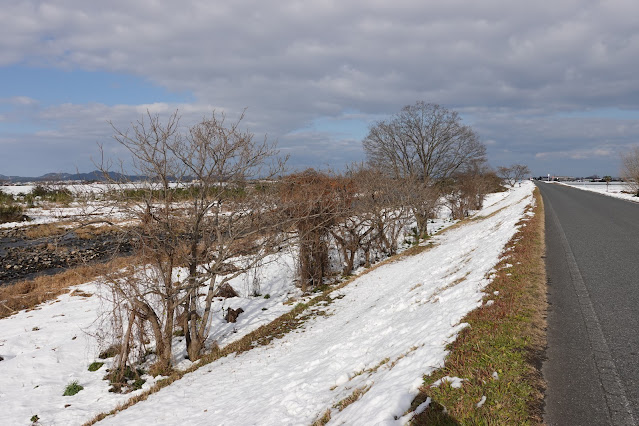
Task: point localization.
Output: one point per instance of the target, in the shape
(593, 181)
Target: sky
(555, 88)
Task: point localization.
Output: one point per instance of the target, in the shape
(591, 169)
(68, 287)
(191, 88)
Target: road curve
(592, 262)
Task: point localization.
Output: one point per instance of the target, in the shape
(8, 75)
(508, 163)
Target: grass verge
(499, 355)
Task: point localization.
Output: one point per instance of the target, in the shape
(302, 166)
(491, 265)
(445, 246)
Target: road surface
(592, 365)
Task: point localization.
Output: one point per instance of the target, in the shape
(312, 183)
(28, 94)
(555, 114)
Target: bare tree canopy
(201, 210)
(513, 174)
(630, 169)
(423, 141)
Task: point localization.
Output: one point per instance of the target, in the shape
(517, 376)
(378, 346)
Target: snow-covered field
(381, 333)
(77, 188)
(614, 189)
(52, 213)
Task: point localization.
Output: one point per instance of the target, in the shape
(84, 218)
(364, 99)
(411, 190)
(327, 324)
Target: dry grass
(28, 294)
(450, 285)
(324, 419)
(506, 338)
(45, 230)
(90, 231)
(353, 397)
(57, 229)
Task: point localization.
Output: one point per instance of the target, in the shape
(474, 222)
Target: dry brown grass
(57, 229)
(30, 293)
(324, 419)
(45, 230)
(90, 231)
(353, 397)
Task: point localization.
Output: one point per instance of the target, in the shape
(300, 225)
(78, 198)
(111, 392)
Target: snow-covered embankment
(381, 334)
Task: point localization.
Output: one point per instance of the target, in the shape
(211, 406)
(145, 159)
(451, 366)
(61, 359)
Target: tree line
(219, 203)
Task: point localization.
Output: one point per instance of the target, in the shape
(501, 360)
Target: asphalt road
(592, 262)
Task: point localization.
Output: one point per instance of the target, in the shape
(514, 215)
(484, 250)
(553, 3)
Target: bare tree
(513, 174)
(630, 169)
(423, 199)
(201, 221)
(424, 141)
(386, 202)
(423, 144)
(374, 220)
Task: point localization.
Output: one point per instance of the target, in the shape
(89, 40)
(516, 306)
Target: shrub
(72, 388)
(11, 213)
(34, 418)
(6, 198)
(314, 201)
(58, 195)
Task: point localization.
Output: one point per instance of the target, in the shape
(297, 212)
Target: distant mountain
(95, 175)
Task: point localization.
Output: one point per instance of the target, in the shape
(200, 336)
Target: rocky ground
(24, 257)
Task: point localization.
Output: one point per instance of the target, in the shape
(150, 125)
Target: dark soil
(25, 258)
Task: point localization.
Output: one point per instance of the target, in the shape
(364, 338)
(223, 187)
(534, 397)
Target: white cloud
(20, 101)
(577, 154)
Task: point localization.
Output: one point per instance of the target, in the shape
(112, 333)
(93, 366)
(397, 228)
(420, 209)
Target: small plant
(34, 418)
(72, 388)
(95, 366)
(125, 380)
(267, 296)
(137, 383)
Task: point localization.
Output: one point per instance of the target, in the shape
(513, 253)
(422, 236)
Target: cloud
(510, 67)
(577, 154)
(20, 101)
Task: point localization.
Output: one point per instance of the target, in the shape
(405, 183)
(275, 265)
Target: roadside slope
(361, 359)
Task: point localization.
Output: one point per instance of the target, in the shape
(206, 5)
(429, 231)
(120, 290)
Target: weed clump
(72, 388)
(125, 380)
(110, 352)
(95, 366)
(10, 212)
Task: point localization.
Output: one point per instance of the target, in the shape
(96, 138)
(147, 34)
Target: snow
(455, 382)
(380, 334)
(423, 406)
(614, 189)
(51, 213)
(78, 188)
(17, 189)
(481, 401)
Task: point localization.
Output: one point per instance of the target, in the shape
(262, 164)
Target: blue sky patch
(55, 86)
